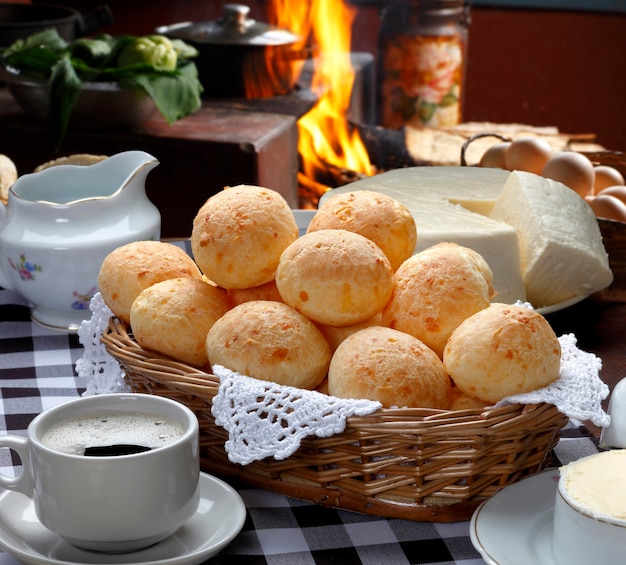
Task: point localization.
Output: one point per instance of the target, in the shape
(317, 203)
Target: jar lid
(233, 28)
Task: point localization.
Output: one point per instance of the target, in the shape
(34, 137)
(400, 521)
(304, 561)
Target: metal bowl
(100, 105)
(19, 20)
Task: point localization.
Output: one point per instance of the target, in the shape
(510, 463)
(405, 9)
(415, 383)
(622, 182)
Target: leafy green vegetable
(161, 67)
(64, 87)
(156, 50)
(169, 93)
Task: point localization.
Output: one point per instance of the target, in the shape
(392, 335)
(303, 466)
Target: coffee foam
(75, 435)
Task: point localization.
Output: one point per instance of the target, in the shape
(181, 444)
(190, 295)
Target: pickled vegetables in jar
(422, 61)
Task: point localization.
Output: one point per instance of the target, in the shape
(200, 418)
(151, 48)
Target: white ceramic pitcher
(60, 223)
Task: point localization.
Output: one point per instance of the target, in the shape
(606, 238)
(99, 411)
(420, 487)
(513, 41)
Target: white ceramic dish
(219, 519)
(561, 305)
(514, 527)
(303, 217)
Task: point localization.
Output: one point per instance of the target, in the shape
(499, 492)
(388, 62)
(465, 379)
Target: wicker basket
(417, 464)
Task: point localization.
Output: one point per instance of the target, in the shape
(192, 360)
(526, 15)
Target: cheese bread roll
(502, 350)
(379, 217)
(435, 290)
(390, 366)
(267, 291)
(133, 267)
(335, 277)
(239, 234)
(269, 341)
(173, 317)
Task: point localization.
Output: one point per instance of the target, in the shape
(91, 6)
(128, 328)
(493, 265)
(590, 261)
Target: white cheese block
(560, 242)
(589, 524)
(441, 199)
(542, 245)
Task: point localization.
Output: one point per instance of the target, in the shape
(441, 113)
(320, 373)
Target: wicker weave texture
(419, 464)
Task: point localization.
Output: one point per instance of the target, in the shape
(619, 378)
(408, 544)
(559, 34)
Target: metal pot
(235, 47)
(18, 21)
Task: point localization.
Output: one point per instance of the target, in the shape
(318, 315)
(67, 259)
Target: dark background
(536, 66)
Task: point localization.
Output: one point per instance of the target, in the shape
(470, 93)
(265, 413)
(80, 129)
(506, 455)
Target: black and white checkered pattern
(37, 372)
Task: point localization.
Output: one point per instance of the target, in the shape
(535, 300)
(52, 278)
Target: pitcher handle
(4, 280)
(23, 482)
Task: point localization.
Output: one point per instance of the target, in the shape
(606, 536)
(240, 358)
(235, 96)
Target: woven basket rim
(119, 342)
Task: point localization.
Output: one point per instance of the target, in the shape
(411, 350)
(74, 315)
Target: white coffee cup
(111, 503)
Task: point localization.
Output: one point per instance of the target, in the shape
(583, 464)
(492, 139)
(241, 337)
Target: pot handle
(87, 24)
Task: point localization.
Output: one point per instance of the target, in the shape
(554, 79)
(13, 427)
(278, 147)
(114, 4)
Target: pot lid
(233, 28)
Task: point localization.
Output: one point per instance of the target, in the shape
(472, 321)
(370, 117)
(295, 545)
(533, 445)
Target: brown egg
(572, 169)
(528, 154)
(494, 157)
(606, 206)
(616, 191)
(606, 176)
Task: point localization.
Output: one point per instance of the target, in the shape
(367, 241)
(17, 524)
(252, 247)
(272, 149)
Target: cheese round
(239, 234)
(335, 277)
(561, 250)
(501, 351)
(390, 366)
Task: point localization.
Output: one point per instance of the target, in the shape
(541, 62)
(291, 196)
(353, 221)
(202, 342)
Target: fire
(325, 137)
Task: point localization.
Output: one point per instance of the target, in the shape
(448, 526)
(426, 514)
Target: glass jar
(422, 62)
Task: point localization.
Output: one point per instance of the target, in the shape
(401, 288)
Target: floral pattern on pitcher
(82, 300)
(25, 268)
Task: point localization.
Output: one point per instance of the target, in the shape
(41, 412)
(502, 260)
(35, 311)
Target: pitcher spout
(135, 164)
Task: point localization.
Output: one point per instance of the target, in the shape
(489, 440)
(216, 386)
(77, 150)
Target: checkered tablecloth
(37, 372)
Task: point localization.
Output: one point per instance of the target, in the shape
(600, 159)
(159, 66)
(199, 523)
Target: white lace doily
(578, 392)
(264, 419)
(102, 372)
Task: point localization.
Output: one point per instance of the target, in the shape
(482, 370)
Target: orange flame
(325, 137)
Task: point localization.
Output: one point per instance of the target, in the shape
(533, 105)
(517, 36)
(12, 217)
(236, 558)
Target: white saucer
(219, 519)
(514, 527)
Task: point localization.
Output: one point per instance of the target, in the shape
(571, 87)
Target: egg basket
(417, 464)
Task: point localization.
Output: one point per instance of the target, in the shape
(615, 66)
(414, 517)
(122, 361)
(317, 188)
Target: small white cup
(581, 536)
(113, 504)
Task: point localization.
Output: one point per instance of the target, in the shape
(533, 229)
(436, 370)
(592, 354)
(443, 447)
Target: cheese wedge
(561, 247)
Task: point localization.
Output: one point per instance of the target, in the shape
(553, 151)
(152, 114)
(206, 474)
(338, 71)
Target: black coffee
(112, 450)
(102, 435)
